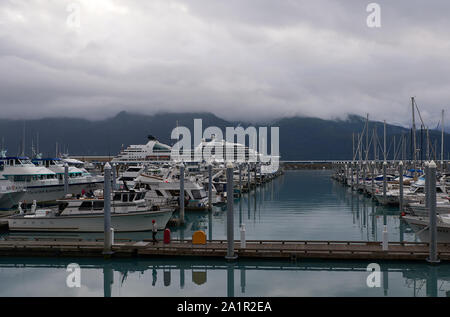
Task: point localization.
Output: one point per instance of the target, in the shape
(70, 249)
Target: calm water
(298, 205)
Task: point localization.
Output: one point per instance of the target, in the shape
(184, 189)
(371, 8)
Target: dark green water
(299, 205)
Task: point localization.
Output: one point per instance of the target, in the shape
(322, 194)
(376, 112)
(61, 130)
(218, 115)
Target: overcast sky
(240, 59)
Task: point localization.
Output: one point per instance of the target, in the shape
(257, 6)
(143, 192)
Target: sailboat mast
(384, 149)
(23, 140)
(367, 138)
(442, 139)
(413, 132)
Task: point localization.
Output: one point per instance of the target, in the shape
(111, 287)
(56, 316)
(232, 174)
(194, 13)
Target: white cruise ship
(152, 151)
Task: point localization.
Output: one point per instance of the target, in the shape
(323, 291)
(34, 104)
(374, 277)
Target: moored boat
(129, 212)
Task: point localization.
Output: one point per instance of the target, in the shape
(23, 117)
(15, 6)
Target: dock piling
(230, 214)
(107, 210)
(427, 185)
(384, 181)
(114, 182)
(431, 179)
(181, 195)
(66, 179)
(400, 171)
(209, 185)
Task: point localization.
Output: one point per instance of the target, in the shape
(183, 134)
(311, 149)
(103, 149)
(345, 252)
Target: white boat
(420, 226)
(130, 212)
(414, 194)
(161, 189)
(10, 194)
(41, 184)
(79, 178)
(152, 151)
(129, 175)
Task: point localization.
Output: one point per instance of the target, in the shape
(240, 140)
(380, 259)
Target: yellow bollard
(199, 237)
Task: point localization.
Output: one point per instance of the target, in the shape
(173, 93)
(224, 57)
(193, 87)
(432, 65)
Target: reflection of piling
(108, 280)
(230, 280)
(385, 281)
(243, 280)
(432, 285)
(181, 278)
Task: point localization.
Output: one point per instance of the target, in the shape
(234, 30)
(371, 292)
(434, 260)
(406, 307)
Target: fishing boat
(129, 212)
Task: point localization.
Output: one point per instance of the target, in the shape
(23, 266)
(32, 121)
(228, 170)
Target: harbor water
(299, 205)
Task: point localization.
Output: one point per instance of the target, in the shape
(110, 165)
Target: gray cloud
(254, 59)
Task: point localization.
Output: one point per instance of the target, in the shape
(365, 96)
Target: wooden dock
(290, 250)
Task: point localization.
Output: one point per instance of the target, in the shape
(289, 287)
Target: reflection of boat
(129, 212)
(420, 225)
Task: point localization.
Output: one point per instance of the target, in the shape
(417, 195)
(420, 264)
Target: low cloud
(253, 60)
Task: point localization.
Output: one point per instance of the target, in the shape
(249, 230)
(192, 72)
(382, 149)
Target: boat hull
(50, 193)
(127, 222)
(10, 200)
(420, 228)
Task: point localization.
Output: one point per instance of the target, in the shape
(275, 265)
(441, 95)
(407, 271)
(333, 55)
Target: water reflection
(41, 277)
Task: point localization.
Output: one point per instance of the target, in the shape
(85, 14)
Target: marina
(224, 149)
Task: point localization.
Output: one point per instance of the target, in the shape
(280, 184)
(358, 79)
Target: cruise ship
(152, 151)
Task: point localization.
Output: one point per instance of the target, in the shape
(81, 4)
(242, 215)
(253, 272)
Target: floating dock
(290, 250)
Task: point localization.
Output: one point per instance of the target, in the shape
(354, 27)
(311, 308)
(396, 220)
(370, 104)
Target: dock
(255, 249)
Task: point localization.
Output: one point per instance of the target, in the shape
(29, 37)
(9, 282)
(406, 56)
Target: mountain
(301, 138)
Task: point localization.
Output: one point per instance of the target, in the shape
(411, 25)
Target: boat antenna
(23, 139)
(442, 140)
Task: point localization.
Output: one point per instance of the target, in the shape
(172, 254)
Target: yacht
(129, 212)
(163, 188)
(40, 182)
(79, 179)
(152, 151)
